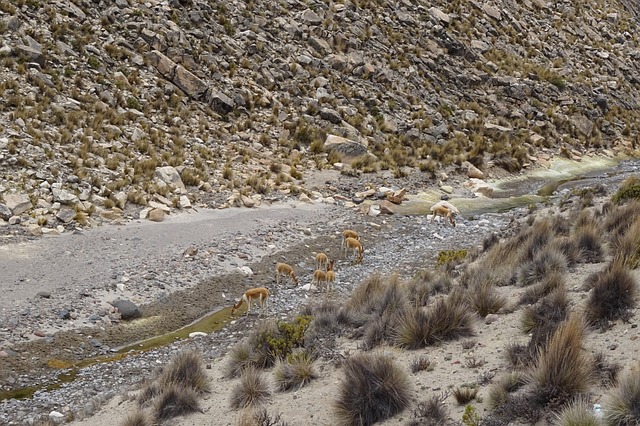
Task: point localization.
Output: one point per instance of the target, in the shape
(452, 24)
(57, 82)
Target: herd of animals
(324, 275)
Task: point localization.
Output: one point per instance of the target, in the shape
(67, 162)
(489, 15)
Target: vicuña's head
(330, 267)
(236, 306)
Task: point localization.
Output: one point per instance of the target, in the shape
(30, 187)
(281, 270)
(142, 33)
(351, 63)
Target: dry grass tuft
(613, 295)
(186, 369)
(446, 319)
(240, 357)
(374, 389)
(548, 284)
(589, 242)
(626, 247)
(252, 390)
(421, 363)
(431, 412)
(175, 401)
(622, 405)
(138, 418)
(563, 369)
(547, 261)
(465, 394)
(577, 413)
(297, 372)
(483, 296)
(259, 417)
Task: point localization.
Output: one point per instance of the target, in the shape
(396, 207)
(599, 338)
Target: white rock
(197, 334)
(56, 415)
(246, 270)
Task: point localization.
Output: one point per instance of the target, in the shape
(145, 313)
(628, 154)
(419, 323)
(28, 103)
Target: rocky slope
(112, 107)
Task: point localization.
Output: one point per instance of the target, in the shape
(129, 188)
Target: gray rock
(64, 197)
(43, 294)
(127, 309)
(170, 176)
(66, 214)
(344, 146)
(64, 314)
(17, 203)
(5, 212)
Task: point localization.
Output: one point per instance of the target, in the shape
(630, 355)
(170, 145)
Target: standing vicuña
(445, 209)
(321, 261)
(259, 294)
(355, 246)
(287, 270)
(330, 276)
(348, 233)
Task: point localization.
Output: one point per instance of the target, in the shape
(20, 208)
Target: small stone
(197, 334)
(156, 215)
(43, 294)
(39, 333)
(64, 314)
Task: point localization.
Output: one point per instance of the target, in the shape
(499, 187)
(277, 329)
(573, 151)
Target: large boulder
(344, 146)
(170, 176)
(128, 310)
(17, 203)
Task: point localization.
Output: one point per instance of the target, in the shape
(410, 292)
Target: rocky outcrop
(95, 100)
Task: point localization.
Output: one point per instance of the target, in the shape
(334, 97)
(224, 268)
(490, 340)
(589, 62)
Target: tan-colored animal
(348, 233)
(445, 209)
(259, 294)
(318, 277)
(322, 260)
(287, 270)
(330, 277)
(356, 247)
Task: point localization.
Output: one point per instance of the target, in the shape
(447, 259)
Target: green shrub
(630, 189)
(449, 256)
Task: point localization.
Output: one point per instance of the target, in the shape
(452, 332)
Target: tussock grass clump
(240, 357)
(259, 417)
(447, 319)
(186, 369)
(484, 298)
(431, 412)
(622, 405)
(252, 390)
(588, 241)
(536, 239)
(175, 401)
(465, 394)
(421, 363)
(364, 298)
(619, 219)
(552, 309)
(499, 391)
(374, 389)
(297, 372)
(612, 296)
(138, 418)
(626, 247)
(563, 369)
(549, 283)
(577, 413)
(544, 262)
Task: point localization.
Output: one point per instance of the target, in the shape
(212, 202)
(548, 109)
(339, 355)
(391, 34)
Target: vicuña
(287, 270)
(252, 295)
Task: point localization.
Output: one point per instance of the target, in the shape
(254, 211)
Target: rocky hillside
(108, 105)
